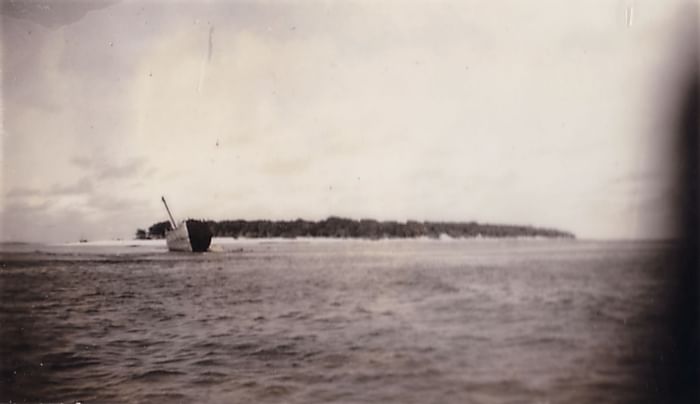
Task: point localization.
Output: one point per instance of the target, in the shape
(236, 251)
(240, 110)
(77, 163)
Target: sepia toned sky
(542, 112)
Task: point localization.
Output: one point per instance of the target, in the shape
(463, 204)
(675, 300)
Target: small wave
(276, 353)
(210, 378)
(167, 397)
(275, 391)
(208, 362)
(67, 360)
(156, 375)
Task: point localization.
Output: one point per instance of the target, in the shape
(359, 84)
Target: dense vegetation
(336, 227)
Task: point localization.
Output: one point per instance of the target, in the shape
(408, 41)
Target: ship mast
(169, 214)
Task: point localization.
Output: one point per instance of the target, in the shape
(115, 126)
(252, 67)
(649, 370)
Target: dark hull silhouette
(200, 235)
(189, 236)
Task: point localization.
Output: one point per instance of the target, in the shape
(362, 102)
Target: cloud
(109, 203)
(83, 162)
(68, 213)
(103, 169)
(43, 222)
(127, 169)
(51, 14)
(23, 193)
(83, 186)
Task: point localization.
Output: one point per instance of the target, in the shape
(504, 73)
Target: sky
(542, 113)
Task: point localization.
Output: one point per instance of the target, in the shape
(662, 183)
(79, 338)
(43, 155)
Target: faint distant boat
(189, 236)
(83, 240)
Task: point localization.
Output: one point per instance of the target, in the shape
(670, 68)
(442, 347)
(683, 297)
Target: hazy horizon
(542, 113)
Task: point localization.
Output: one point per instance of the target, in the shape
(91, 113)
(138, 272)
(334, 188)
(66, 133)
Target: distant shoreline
(249, 240)
(10, 245)
(343, 228)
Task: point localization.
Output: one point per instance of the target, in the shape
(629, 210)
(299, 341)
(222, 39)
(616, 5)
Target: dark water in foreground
(317, 322)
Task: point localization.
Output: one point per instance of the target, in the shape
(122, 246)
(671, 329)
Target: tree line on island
(338, 227)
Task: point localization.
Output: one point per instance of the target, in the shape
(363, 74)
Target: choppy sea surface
(313, 321)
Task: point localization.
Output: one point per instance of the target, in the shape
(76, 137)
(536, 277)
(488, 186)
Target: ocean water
(509, 321)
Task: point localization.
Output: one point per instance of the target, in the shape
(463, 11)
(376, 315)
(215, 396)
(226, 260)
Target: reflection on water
(408, 321)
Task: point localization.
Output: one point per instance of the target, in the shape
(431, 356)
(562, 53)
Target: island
(338, 227)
